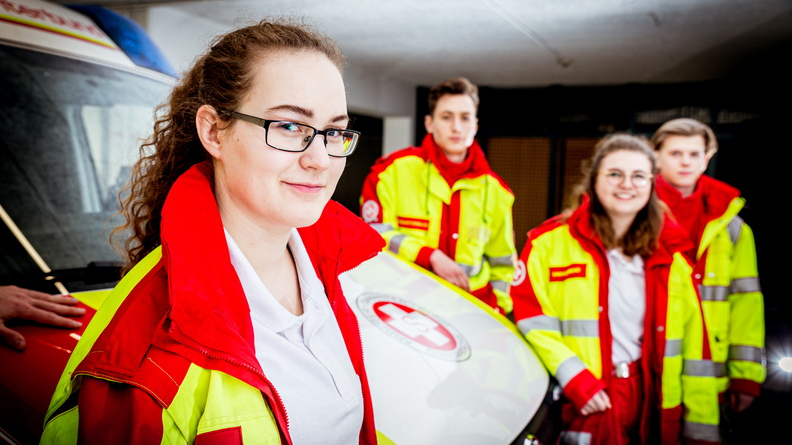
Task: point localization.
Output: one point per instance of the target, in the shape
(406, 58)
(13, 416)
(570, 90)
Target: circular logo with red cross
(519, 274)
(414, 327)
(370, 211)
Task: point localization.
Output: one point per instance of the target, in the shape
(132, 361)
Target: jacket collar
(208, 305)
(474, 165)
(713, 195)
(673, 238)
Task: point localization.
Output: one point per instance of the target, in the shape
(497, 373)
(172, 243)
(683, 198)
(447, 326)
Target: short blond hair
(686, 127)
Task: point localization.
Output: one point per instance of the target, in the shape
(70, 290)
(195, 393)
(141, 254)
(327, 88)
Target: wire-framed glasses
(638, 179)
(296, 137)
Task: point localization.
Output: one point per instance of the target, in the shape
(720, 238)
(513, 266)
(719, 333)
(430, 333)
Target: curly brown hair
(642, 236)
(221, 78)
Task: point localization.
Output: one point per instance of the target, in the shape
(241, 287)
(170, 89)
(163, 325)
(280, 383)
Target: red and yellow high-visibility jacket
(406, 198)
(561, 304)
(170, 355)
(726, 270)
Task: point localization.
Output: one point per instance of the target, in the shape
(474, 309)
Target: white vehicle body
(454, 370)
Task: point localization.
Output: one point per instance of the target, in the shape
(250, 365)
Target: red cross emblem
(415, 325)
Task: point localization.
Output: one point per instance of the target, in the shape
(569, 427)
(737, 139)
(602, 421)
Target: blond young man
(724, 256)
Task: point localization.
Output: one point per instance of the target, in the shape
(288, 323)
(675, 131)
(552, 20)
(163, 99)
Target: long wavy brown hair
(642, 236)
(220, 78)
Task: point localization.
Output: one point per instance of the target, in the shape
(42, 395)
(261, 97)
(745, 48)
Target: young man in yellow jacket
(441, 206)
(724, 256)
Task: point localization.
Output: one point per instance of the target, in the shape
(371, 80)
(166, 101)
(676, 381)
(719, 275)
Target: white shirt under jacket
(626, 305)
(304, 356)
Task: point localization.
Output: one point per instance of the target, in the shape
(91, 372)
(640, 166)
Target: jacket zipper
(337, 283)
(175, 335)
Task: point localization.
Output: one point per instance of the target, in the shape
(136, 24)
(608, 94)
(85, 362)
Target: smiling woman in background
(609, 305)
(230, 325)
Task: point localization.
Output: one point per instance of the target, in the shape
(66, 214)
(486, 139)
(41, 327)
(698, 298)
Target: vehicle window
(71, 131)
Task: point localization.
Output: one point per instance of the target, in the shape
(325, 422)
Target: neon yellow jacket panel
(406, 198)
(728, 275)
(559, 301)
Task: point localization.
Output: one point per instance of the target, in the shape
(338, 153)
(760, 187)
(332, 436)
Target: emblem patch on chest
(413, 223)
(566, 272)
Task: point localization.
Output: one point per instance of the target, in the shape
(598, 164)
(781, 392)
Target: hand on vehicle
(597, 403)
(448, 269)
(26, 304)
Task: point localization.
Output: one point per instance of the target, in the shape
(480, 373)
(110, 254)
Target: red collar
(673, 238)
(714, 196)
(208, 304)
(709, 201)
(475, 164)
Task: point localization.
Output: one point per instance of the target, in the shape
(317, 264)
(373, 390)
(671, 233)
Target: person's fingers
(12, 338)
(606, 403)
(58, 308)
(459, 277)
(34, 294)
(57, 298)
(462, 282)
(590, 408)
(597, 403)
(447, 269)
(50, 317)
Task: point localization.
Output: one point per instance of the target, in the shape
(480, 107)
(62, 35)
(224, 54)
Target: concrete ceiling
(528, 43)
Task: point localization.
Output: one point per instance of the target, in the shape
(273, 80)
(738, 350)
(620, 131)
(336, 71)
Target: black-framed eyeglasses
(295, 137)
(638, 179)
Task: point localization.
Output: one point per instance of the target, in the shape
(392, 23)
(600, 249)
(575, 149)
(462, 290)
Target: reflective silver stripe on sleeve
(746, 353)
(734, 228)
(395, 242)
(569, 369)
(714, 293)
(500, 285)
(542, 322)
(580, 328)
(471, 271)
(574, 438)
(701, 431)
(703, 368)
(673, 348)
(382, 228)
(500, 260)
(743, 285)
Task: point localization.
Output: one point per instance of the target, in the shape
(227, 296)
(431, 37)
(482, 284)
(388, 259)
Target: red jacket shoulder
(387, 160)
(548, 226)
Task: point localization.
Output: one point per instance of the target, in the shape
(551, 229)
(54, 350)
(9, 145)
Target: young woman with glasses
(608, 303)
(230, 325)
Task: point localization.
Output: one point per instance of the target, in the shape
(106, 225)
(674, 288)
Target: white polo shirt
(304, 357)
(626, 305)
